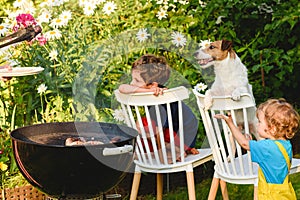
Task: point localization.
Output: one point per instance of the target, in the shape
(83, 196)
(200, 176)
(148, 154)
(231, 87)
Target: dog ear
(226, 45)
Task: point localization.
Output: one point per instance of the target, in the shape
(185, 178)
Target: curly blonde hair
(152, 69)
(281, 116)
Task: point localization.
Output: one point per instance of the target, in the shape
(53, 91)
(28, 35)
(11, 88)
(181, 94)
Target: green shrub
(95, 52)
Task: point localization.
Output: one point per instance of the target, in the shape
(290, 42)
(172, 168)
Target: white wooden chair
(166, 157)
(232, 164)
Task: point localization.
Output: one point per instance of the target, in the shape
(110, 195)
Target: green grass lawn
(236, 192)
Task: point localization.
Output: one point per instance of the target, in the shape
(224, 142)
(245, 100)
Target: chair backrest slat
(180, 131)
(237, 147)
(161, 139)
(172, 142)
(229, 157)
(152, 136)
(146, 150)
(219, 141)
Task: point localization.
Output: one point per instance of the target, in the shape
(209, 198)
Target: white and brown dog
(231, 77)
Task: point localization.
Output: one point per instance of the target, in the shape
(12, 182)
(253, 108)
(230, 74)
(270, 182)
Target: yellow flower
(3, 166)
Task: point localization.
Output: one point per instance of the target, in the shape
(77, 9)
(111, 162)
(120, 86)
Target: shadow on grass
(235, 192)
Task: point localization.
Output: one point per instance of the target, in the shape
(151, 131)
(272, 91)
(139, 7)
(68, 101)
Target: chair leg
(224, 190)
(191, 185)
(159, 186)
(255, 195)
(135, 185)
(213, 188)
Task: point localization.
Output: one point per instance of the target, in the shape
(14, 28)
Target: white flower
(109, 7)
(44, 17)
(166, 2)
(53, 54)
(3, 29)
(12, 15)
(19, 3)
(57, 22)
(219, 20)
(204, 43)
(98, 2)
(202, 4)
(42, 88)
(82, 3)
(184, 2)
(161, 14)
(178, 39)
(119, 115)
(52, 35)
(173, 6)
(24, 6)
(52, 3)
(65, 16)
(265, 8)
(142, 35)
(89, 9)
(28, 7)
(201, 87)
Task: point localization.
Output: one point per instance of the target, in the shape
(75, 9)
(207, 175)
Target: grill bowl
(73, 171)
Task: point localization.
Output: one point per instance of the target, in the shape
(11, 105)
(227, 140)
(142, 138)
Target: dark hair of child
(152, 69)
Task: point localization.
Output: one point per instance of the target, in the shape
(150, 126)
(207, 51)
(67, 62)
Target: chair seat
(247, 178)
(240, 177)
(204, 155)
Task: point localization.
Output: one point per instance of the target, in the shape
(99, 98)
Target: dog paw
(236, 95)
(208, 100)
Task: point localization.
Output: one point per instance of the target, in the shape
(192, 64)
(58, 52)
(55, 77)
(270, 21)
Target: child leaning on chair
(149, 74)
(278, 122)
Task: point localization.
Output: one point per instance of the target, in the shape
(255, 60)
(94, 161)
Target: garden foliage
(89, 54)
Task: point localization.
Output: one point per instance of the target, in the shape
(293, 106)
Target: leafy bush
(93, 53)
